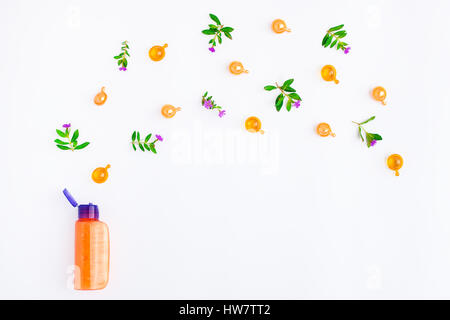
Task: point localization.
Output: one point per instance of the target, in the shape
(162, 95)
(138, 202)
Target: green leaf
(212, 26)
(119, 62)
(209, 32)
(214, 18)
(146, 146)
(334, 43)
(125, 62)
(138, 136)
(368, 120)
(288, 105)
(63, 147)
(220, 38)
(376, 136)
(148, 137)
(82, 146)
(340, 34)
(141, 147)
(152, 148)
(117, 57)
(279, 102)
(60, 141)
(269, 88)
(360, 134)
(289, 89)
(325, 39)
(228, 35)
(61, 134)
(328, 41)
(133, 136)
(295, 96)
(287, 83)
(134, 147)
(339, 27)
(75, 136)
(369, 139)
(227, 29)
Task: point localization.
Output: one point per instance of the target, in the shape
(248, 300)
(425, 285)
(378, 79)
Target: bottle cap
(85, 211)
(88, 211)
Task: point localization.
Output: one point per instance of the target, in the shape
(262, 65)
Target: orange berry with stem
(329, 73)
(323, 129)
(100, 98)
(237, 68)
(279, 26)
(395, 163)
(169, 111)
(100, 174)
(253, 124)
(379, 94)
(157, 53)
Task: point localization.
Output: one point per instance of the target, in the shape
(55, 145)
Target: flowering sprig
(292, 97)
(371, 138)
(71, 143)
(145, 144)
(333, 38)
(211, 105)
(122, 57)
(217, 30)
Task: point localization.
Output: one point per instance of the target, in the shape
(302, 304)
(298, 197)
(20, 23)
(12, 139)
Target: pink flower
(67, 125)
(221, 113)
(212, 49)
(297, 104)
(347, 50)
(159, 137)
(123, 69)
(373, 142)
(208, 104)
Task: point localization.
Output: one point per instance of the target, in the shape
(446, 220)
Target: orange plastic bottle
(91, 248)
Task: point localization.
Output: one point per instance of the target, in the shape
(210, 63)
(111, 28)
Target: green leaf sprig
(287, 93)
(209, 104)
(145, 144)
(333, 39)
(122, 57)
(72, 142)
(371, 138)
(216, 30)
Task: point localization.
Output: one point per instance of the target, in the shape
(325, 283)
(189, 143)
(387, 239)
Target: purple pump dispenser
(85, 211)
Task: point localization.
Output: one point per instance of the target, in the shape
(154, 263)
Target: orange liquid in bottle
(91, 254)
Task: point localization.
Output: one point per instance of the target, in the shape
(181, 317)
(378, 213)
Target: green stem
(69, 140)
(336, 37)
(283, 92)
(360, 126)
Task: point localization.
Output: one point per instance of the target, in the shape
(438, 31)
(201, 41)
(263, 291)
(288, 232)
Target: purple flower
(159, 137)
(221, 113)
(347, 50)
(208, 104)
(297, 104)
(373, 142)
(67, 125)
(123, 69)
(212, 49)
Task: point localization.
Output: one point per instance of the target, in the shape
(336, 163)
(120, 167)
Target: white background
(220, 212)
